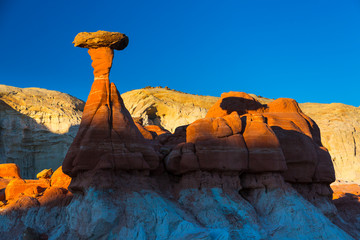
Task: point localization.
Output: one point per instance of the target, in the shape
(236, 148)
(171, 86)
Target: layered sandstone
(240, 134)
(37, 127)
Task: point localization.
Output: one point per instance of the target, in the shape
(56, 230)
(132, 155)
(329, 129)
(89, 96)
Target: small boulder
(46, 173)
(113, 40)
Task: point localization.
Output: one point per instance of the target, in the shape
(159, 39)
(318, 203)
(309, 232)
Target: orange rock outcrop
(274, 137)
(9, 170)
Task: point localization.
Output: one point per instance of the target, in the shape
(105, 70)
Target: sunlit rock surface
(37, 127)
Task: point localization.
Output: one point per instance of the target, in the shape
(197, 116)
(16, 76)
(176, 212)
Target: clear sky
(308, 50)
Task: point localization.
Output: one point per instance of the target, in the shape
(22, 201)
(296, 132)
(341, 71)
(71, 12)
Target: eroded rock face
(265, 153)
(280, 123)
(276, 137)
(340, 134)
(211, 145)
(37, 127)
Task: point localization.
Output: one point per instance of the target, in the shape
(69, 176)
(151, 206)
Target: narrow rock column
(100, 90)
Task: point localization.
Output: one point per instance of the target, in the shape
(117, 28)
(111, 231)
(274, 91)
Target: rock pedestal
(108, 139)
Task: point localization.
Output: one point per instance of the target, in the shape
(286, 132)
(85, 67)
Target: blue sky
(307, 50)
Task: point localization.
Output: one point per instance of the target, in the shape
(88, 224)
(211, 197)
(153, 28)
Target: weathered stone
(113, 40)
(299, 136)
(46, 173)
(19, 187)
(265, 154)
(60, 179)
(9, 170)
(210, 146)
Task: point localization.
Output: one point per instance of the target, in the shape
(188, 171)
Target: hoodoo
(108, 139)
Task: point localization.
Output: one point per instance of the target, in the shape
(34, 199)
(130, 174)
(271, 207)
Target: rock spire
(108, 139)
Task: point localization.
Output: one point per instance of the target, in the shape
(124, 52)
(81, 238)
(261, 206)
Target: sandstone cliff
(37, 127)
(340, 134)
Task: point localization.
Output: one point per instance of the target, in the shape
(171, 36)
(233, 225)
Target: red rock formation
(108, 139)
(306, 159)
